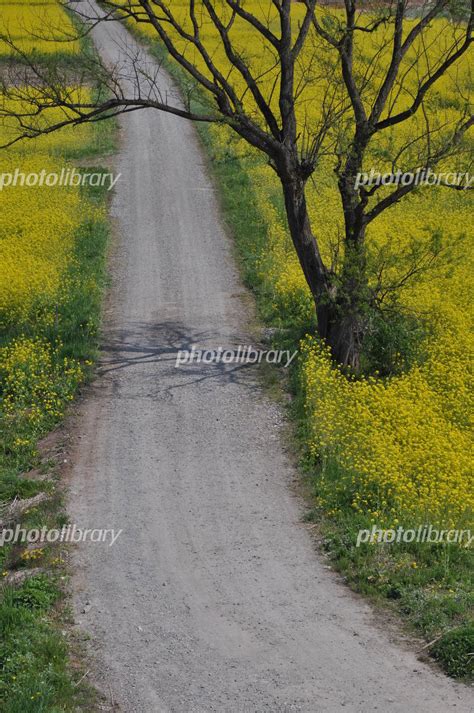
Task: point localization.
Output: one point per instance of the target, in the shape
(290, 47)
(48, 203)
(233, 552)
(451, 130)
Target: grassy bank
(40, 373)
(52, 277)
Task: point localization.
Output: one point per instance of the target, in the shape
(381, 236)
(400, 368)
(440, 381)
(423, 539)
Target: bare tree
(363, 100)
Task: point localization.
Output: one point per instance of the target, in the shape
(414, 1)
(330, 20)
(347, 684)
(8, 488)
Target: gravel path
(213, 598)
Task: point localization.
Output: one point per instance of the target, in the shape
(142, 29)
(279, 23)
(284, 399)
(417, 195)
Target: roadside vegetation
(52, 273)
(375, 450)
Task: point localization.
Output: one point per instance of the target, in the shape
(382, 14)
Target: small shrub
(455, 651)
(393, 343)
(37, 593)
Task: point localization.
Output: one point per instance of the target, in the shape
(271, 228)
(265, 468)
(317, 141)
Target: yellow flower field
(38, 228)
(34, 25)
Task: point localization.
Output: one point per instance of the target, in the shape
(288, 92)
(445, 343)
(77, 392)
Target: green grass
(32, 651)
(455, 650)
(79, 317)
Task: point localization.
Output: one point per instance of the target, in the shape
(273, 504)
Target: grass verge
(36, 669)
(43, 364)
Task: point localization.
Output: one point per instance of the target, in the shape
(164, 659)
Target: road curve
(213, 598)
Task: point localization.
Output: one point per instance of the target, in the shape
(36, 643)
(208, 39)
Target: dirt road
(213, 598)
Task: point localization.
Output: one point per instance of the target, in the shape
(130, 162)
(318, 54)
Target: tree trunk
(339, 308)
